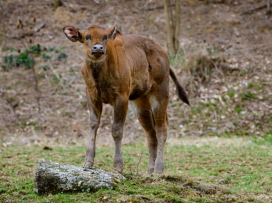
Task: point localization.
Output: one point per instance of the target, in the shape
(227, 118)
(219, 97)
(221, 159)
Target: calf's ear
(73, 34)
(112, 32)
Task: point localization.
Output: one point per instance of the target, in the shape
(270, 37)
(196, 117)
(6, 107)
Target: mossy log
(52, 177)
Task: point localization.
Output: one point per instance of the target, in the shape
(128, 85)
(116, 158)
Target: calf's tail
(181, 92)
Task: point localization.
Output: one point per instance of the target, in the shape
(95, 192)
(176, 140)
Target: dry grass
(199, 64)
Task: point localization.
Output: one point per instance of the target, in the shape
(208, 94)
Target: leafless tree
(57, 3)
(172, 25)
(2, 25)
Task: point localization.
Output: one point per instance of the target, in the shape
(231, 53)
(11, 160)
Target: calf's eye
(87, 37)
(105, 38)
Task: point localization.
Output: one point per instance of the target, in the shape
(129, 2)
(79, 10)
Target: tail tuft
(181, 92)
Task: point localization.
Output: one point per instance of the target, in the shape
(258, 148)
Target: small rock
(47, 148)
(52, 177)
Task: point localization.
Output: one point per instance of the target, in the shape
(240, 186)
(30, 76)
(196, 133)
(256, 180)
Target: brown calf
(119, 68)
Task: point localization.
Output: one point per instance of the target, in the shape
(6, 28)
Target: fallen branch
(254, 9)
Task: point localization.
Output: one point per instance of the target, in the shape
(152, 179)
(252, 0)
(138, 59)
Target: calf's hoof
(119, 170)
(87, 165)
(159, 167)
(150, 170)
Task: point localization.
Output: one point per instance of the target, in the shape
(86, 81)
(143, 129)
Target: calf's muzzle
(97, 49)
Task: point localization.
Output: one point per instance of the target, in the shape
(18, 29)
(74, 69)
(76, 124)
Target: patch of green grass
(23, 59)
(249, 95)
(231, 94)
(250, 85)
(53, 49)
(62, 56)
(8, 62)
(207, 173)
(266, 139)
(26, 58)
(35, 49)
(56, 79)
(45, 56)
(238, 109)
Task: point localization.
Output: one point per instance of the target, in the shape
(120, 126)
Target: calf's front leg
(120, 112)
(95, 108)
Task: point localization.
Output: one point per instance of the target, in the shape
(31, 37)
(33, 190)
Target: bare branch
(139, 163)
(157, 7)
(250, 11)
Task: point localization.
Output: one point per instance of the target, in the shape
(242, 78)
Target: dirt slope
(224, 63)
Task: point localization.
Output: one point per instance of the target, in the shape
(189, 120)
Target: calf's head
(94, 38)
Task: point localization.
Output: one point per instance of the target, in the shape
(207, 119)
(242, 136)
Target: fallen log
(52, 177)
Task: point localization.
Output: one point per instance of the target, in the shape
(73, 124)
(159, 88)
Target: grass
(237, 171)
(26, 58)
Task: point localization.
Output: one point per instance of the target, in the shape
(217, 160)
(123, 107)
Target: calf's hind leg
(161, 124)
(145, 117)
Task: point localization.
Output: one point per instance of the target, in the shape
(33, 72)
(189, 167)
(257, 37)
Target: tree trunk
(57, 3)
(169, 28)
(52, 177)
(268, 12)
(2, 27)
(177, 26)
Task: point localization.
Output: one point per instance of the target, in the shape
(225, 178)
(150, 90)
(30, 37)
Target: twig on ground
(215, 116)
(139, 163)
(127, 162)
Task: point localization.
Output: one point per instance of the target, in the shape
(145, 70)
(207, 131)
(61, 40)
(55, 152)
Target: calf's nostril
(98, 48)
